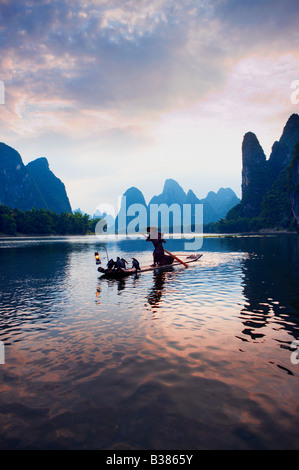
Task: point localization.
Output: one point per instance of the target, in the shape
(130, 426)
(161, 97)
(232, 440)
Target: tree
(7, 224)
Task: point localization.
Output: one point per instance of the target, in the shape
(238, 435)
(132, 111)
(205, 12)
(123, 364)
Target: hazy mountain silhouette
(270, 194)
(215, 205)
(32, 186)
(51, 187)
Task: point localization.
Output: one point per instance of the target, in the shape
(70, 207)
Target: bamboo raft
(121, 272)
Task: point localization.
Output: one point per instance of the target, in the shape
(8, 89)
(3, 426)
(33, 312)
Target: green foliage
(276, 206)
(292, 173)
(237, 225)
(253, 195)
(44, 222)
(235, 212)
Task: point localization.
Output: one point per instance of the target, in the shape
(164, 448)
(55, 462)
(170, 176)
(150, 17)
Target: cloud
(138, 57)
(133, 59)
(140, 81)
(269, 15)
(123, 58)
(131, 53)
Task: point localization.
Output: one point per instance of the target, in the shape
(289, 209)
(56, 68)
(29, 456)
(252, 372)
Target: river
(196, 358)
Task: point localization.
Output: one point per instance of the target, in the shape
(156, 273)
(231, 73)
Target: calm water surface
(197, 358)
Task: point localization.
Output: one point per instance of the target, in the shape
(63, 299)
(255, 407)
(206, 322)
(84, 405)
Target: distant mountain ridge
(32, 186)
(215, 205)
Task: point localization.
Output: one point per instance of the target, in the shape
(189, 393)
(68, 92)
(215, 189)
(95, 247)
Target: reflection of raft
(120, 273)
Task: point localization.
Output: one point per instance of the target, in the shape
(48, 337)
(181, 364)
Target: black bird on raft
(121, 263)
(135, 264)
(111, 264)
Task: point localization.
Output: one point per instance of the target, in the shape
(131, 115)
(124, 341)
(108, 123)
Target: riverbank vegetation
(44, 222)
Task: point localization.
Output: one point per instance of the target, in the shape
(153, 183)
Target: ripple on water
(190, 358)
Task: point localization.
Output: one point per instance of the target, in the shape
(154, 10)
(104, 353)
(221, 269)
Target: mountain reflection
(270, 285)
(269, 270)
(32, 280)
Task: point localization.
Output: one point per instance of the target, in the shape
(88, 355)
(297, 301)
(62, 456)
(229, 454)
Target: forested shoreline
(44, 222)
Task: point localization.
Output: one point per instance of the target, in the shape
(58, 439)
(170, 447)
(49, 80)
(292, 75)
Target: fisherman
(159, 256)
(135, 264)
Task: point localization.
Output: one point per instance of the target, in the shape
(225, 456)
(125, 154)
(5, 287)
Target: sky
(121, 93)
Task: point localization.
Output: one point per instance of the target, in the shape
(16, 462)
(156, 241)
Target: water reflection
(88, 367)
(269, 280)
(116, 285)
(32, 281)
(270, 285)
(154, 297)
(158, 280)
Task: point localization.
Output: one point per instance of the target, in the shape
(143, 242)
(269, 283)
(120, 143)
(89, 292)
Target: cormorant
(121, 263)
(135, 264)
(111, 264)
